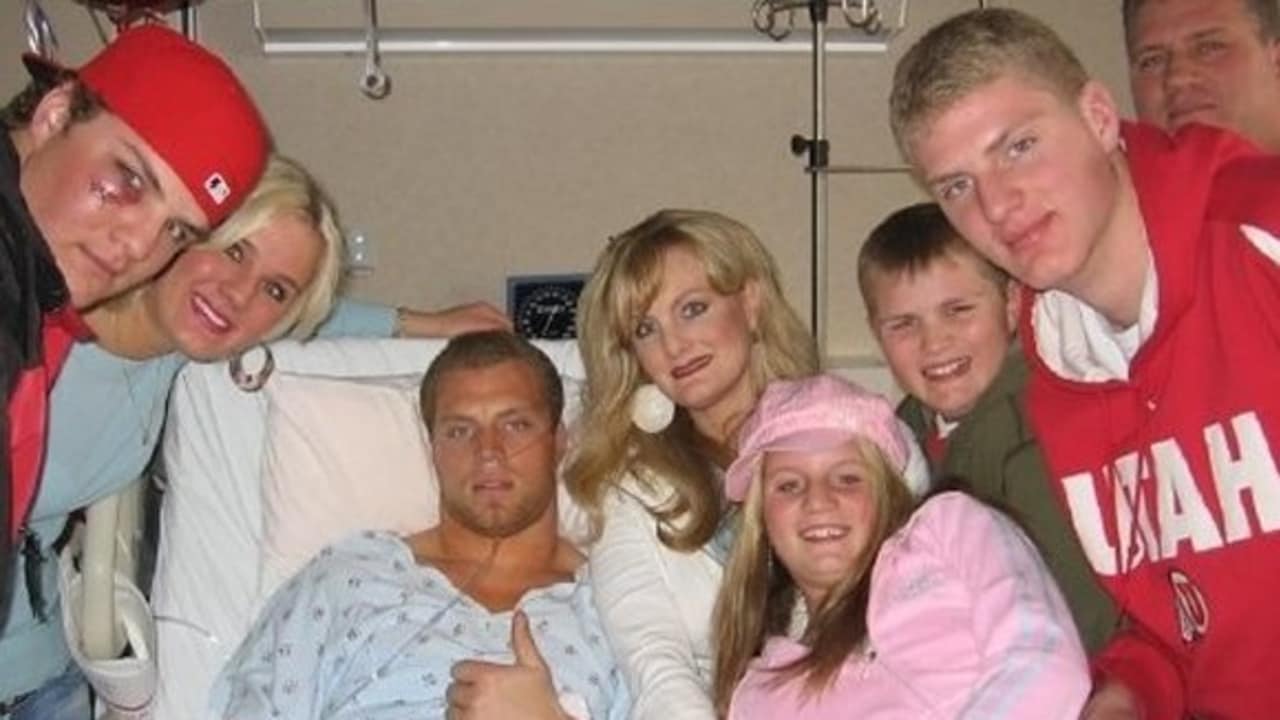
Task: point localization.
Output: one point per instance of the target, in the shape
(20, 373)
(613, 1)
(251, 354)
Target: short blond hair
(284, 189)
(287, 188)
(972, 50)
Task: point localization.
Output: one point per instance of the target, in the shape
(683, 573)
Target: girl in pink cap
(844, 597)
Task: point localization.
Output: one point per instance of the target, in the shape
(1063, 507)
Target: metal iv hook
(374, 83)
(866, 17)
(40, 37)
(863, 16)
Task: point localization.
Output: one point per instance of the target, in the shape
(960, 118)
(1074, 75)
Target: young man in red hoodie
(105, 174)
(1151, 333)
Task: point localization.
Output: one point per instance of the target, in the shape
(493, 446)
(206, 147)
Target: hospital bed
(256, 482)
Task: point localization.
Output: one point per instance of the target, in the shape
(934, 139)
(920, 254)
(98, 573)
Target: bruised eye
(130, 179)
(124, 185)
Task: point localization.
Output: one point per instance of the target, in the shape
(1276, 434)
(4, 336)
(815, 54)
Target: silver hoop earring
(251, 381)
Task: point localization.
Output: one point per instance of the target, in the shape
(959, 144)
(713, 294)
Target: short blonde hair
(626, 278)
(286, 187)
(969, 51)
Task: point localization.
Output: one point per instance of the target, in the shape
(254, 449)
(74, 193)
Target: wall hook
(374, 83)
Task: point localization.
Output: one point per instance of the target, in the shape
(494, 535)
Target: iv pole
(817, 148)
(819, 155)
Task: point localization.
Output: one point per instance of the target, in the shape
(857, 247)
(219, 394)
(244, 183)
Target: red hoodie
(1169, 477)
(29, 411)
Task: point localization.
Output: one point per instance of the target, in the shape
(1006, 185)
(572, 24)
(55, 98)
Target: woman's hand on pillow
(446, 323)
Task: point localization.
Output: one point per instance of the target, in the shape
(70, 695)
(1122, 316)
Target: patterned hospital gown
(365, 632)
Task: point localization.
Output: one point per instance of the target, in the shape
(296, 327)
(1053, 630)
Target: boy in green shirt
(944, 318)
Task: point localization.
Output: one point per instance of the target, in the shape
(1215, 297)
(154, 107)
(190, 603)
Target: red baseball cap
(187, 104)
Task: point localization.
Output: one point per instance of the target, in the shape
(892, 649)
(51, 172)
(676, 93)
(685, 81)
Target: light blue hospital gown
(365, 632)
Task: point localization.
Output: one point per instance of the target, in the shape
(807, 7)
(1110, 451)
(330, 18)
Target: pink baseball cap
(187, 104)
(815, 413)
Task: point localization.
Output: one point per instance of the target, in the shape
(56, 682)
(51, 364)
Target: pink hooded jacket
(964, 621)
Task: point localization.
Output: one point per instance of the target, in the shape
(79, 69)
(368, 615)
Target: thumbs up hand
(525, 649)
(484, 690)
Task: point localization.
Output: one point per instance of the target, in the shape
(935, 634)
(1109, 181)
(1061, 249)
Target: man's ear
(1098, 108)
(52, 114)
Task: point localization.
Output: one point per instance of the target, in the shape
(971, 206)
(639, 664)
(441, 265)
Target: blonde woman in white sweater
(683, 313)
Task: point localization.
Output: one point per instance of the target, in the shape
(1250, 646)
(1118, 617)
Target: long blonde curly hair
(678, 463)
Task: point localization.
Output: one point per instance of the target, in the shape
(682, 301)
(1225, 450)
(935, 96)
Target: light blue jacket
(105, 418)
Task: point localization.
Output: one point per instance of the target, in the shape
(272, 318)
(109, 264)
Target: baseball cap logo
(218, 188)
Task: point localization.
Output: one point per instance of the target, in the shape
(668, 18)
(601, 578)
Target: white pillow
(344, 455)
(341, 455)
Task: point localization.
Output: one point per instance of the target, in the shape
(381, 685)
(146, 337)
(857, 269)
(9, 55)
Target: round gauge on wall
(545, 306)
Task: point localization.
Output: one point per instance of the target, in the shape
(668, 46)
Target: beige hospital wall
(479, 167)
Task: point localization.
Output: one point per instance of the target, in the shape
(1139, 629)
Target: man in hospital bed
(486, 615)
